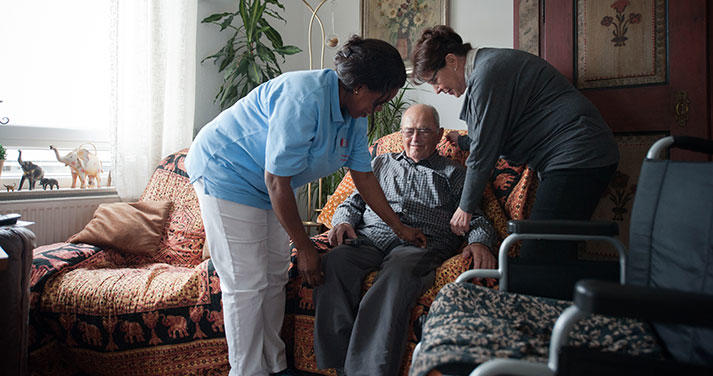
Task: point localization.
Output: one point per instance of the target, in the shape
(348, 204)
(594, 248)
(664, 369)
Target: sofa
(100, 311)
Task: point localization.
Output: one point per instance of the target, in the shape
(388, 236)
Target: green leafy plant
(246, 59)
(2, 152)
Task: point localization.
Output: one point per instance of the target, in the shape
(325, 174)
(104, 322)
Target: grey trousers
(367, 336)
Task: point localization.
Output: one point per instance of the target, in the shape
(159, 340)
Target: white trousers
(250, 251)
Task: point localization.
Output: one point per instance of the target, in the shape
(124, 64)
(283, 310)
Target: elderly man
(367, 336)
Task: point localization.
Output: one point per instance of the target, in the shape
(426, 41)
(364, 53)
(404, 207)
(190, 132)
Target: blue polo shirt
(291, 125)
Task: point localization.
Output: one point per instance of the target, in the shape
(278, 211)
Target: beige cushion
(134, 228)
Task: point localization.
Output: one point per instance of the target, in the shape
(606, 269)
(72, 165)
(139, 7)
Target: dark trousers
(367, 336)
(552, 265)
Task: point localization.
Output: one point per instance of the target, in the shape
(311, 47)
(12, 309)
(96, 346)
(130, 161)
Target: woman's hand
(285, 207)
(370, 190)
(308, 264)
(452, 137)
(412, 235)
(460, 222)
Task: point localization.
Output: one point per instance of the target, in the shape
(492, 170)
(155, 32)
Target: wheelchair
(657, 320)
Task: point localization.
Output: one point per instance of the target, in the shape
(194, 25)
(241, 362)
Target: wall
(480, 22)
(208, 42)
(483, 23)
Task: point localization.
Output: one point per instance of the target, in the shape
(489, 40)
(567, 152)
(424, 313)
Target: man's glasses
(408, 132)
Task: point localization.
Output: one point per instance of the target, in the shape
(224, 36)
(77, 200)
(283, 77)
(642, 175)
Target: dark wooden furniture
(17, 243)
(679, 105)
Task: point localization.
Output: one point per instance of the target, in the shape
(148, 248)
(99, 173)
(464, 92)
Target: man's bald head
(421, 131)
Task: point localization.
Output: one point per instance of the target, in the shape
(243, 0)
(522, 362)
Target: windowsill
(38, 194)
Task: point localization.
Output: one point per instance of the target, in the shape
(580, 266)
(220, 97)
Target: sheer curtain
(155, 87)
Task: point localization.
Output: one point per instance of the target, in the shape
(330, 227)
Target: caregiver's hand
(308, 264)
(460, 222)
(285, 207)
(452, 137)
(411, 235)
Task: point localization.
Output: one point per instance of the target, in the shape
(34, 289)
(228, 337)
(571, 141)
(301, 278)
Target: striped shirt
(424, 195)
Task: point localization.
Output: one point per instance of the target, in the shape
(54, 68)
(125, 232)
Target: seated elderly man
(367, 336)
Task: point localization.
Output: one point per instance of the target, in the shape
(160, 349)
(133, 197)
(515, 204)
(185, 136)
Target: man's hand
(308, 264)
(452, 137)
(412, 235)
(482, 258)
(460, 222)
(337, 233)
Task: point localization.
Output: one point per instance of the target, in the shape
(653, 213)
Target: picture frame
(401, 22)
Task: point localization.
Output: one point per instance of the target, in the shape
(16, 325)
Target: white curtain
(155, 81)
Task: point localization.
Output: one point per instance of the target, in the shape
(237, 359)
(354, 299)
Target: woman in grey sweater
(521, 108)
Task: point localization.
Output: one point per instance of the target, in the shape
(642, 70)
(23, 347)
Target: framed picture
(400, 22)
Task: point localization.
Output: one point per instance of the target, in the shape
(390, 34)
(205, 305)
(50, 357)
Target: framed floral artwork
(400, 22)
(620, 43)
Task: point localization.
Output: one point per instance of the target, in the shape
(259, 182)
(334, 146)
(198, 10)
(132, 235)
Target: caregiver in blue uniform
(245, 166)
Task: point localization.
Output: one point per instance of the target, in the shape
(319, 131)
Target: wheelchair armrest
(646, 303)
(564, 227)
(553, 230)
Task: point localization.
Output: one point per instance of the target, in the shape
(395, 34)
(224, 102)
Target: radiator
(56, 219)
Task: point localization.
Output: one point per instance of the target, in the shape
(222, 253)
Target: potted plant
(249, 56)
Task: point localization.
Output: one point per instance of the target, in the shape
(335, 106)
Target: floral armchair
(509, 196)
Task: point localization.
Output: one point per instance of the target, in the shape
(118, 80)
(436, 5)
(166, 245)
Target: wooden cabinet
(605, 47)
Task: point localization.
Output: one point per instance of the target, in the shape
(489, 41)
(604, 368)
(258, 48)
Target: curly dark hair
(370, 62)
(431, 49)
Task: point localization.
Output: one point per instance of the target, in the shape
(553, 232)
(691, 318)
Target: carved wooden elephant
(85, 165)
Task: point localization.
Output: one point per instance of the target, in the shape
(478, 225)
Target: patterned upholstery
(114, 314)
(182, 244)
(469, 324)
(508, 197)
(98, 311)
(391, 143)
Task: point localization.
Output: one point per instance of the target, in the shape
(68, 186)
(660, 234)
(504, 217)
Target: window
(57, 74)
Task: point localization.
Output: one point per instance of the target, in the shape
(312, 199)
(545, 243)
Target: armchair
(508, 197)
(656, 321)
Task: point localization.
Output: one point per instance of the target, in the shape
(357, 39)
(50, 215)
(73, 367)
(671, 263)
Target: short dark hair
(370, 62)
(431, 49)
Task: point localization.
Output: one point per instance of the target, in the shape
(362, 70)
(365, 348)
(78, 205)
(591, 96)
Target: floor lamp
(310, 223)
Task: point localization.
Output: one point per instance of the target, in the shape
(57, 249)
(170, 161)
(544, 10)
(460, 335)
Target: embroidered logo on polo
(343, 143)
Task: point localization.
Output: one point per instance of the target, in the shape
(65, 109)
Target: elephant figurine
(30, 172)
(85, 165)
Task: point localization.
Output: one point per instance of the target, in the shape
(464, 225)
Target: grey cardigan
(521, 108)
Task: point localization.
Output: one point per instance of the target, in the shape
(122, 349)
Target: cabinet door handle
(681, 107)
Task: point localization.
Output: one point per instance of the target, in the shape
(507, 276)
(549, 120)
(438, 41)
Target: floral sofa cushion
(508, 197)
(104, 312)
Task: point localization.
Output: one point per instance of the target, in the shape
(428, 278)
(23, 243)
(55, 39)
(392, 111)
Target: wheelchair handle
(696, 144)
